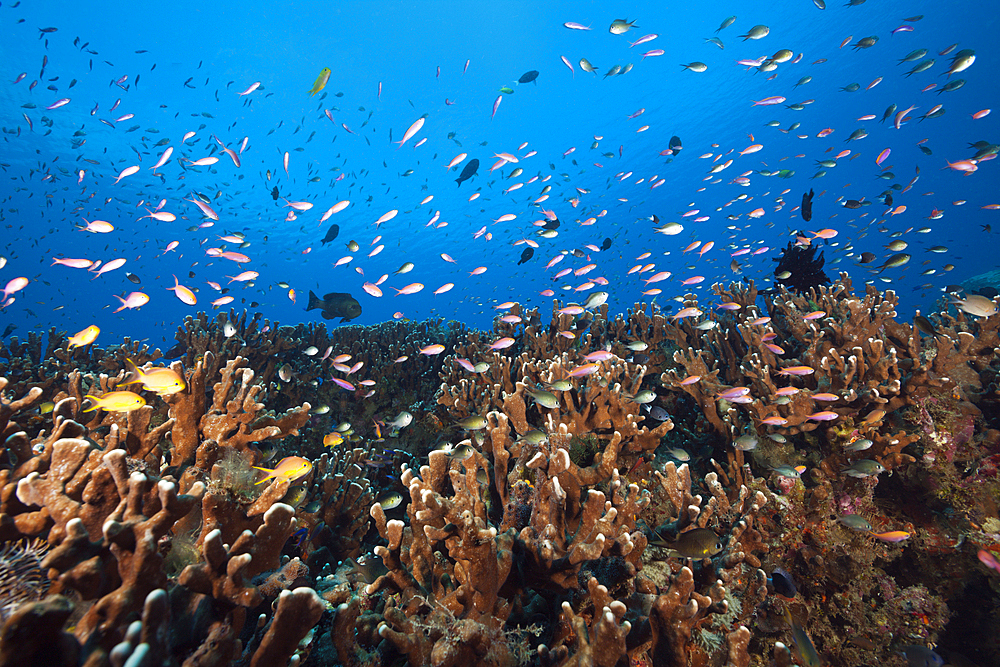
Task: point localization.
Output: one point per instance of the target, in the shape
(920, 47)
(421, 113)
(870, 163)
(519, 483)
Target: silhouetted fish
(335, 304)
(606, 244)
(526, 255)
(528, 77)
(331, 234)
(675, 144)
(807, 205)
(468, 171)
(274, 193)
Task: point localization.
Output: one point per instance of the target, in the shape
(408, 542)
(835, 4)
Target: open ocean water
(137, 80)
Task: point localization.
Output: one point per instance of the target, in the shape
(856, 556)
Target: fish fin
(314, 301)
(134, 376)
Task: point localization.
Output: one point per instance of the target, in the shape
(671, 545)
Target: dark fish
(8, 330)
(924, 325)
(468, 171)
(551, 224)
(528, 77)
(887, 199)
(274, 193)
(675, 144)
(606, 244)
(921, 656)
(335, 304)
(134, 279)
(807, 205)
(331, 234)
(697, 543)
(852, 203)
(526, 255)
(177, 350)
(866, 258)
(783, 583)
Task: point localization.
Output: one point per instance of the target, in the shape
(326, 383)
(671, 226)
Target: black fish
(133, 278)
(887, 199)
(274, 193)
(551, 224)
(335, 304)
(852, 203)
(331, 234)
(783, 583)
(606, 244)
(807, 205)
(468, 171)
(528, 77)
(526, 255)
(177, 350)
(8, 330)
(866, 257)
(675, 144)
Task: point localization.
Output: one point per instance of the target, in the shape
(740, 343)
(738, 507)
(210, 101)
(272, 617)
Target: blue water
(418, 52)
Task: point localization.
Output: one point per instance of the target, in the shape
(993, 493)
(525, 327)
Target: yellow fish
(85, 337)
(116, 401)
(290, 468)
(324, 76)
(332, 439)
(163, 381)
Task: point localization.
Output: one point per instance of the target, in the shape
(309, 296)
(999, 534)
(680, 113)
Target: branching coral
(526, 536)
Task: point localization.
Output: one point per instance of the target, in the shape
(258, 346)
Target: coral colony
(815, 482)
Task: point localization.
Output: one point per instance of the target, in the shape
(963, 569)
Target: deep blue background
(284, 45)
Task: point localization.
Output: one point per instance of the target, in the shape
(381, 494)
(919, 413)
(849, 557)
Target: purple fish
(496, 105)
(20, 77)
(58, 103)
(735, 392)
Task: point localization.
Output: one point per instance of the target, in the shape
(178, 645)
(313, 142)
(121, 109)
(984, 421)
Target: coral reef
(586, 491)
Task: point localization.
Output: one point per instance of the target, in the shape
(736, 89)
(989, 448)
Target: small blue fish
(300, 536)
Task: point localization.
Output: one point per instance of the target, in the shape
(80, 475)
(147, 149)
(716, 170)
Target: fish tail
(134, 376)
(270, 474)
(94, 403)
(314, 301)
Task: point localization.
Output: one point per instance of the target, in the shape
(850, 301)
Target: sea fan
(22, 578)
